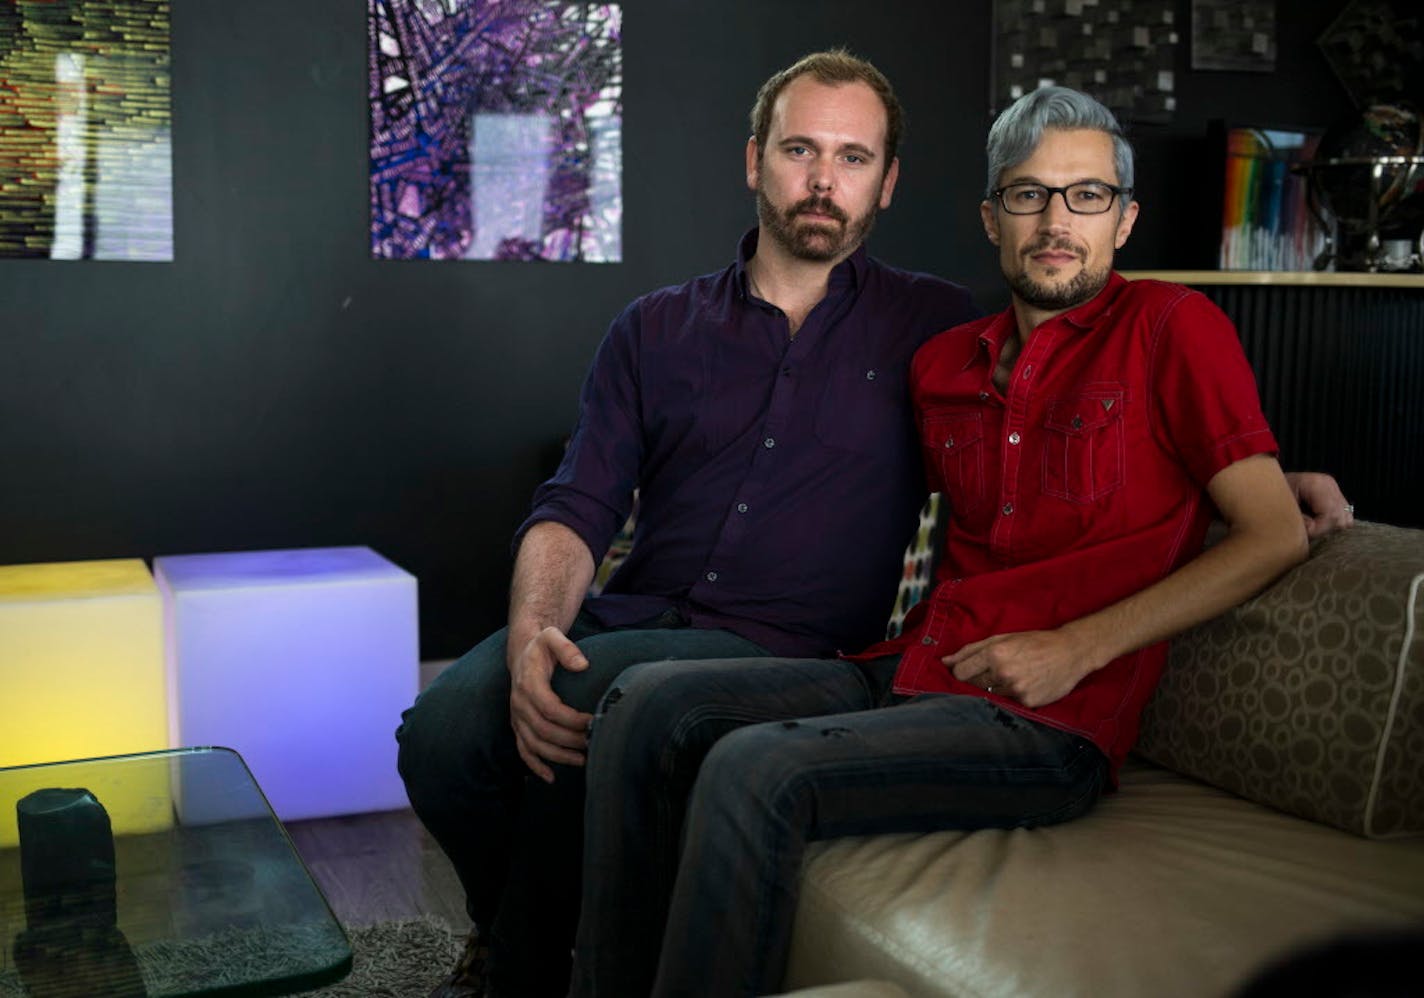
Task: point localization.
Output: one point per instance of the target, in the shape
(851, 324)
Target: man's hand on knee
(546, 730)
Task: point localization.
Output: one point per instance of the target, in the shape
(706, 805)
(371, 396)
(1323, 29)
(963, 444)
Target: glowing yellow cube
(139, 793)
(81, 661)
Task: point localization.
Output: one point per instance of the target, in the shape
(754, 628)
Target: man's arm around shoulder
(1265, 537)
(552, 573)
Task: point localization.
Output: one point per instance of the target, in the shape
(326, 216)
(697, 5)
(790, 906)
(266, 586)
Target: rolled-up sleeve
(1205, 400)
(592, 491)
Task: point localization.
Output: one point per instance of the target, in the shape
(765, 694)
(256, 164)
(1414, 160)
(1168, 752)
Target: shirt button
(769, 443)
(1014, 438)
(1008, 508)
(1028, 371)
(869, 375)
(983, 396)
(927, 640)
(741, 507)
(711, 576)
(949, 441)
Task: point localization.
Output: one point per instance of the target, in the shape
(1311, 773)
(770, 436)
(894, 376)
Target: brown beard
(1058, 298)
(820, 241)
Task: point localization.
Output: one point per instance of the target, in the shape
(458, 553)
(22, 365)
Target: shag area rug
(389, 960)
(397, 960)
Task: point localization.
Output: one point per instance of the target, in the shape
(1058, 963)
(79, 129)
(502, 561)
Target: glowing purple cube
(302, 661)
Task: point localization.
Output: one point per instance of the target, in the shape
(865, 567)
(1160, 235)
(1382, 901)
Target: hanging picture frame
(86, 161)
(496, 130)
(1237, 35)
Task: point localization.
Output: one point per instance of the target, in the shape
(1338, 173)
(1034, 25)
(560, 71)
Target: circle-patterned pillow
(1310, 697)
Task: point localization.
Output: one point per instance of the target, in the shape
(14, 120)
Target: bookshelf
(1281, 278)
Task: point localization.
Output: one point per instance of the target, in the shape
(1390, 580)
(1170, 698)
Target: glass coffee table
(155, 876)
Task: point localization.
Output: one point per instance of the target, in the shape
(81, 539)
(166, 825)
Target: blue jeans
(514, 840)
(706, 782)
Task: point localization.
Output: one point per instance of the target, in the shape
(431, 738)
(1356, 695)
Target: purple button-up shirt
(779, 478)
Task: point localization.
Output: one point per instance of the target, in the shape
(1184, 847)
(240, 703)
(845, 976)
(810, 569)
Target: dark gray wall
(275, 387)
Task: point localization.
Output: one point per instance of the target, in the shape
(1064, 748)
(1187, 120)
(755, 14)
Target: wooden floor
(377, 867)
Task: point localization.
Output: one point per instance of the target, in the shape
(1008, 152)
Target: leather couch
(1275, 802)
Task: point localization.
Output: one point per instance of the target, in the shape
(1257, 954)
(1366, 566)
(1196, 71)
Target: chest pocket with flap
(954, 444)
(1083, 446)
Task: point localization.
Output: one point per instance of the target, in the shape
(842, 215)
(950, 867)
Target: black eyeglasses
(1089, 197)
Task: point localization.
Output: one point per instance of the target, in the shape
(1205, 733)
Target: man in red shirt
(1083, 438)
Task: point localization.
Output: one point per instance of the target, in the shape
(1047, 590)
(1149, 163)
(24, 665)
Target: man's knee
(757, 766)
(460, 720)
(649, 693)
(614, 659)
(643, 719)
(583, 690)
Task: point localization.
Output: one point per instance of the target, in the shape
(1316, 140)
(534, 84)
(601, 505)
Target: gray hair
(1016, 133)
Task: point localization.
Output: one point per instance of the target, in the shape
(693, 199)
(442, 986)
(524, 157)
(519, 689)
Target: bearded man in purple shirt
(762, 414)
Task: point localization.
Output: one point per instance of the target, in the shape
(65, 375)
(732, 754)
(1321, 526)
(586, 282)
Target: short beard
(813, 242)
(1058, 297)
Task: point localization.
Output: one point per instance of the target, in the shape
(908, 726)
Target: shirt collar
(1085, 316)
(1088, 314)
(991, 339)
(849, 273)
(746, 249)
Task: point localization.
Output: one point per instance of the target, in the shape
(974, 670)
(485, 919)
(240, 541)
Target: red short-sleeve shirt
(1080, 485)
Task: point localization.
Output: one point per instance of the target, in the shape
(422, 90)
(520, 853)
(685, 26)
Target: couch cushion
(850, 989)
(1168, 887)
(1310, 697)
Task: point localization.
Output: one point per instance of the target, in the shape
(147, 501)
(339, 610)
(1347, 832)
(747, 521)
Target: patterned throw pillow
(920, 558)
(1310, 697)
(617, 553)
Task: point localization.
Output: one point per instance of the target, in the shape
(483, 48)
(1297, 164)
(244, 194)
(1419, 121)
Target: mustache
(1057, 244)
(818, 205)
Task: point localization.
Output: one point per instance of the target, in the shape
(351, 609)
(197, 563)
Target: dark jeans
(516, 841)
(763, 756)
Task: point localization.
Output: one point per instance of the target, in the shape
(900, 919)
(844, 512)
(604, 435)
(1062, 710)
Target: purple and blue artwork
(496, 130)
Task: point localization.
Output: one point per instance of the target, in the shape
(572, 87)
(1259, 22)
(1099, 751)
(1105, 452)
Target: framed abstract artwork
(1120, 51)
(496, 130)
(1234, 35)
(86, 163)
